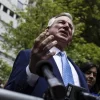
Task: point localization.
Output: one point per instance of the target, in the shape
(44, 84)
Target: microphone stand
(56, 90)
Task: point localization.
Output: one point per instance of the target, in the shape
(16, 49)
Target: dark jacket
(18, 78)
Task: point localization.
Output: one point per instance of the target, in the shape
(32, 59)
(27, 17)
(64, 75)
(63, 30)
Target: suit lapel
(55, 70)
(80, 74)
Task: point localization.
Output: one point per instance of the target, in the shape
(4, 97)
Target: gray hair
(52, 20)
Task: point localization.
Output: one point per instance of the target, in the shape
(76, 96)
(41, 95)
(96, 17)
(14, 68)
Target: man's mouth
(63, 31)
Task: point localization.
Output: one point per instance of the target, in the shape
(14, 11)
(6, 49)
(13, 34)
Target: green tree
(86, 16)
(35, 21)
(5, 70)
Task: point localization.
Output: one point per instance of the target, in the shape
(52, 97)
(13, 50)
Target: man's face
(91, 76)
(62, 31)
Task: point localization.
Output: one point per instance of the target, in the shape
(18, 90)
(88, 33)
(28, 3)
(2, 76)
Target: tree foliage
(86, 16)
(5, 70)
(35, 21)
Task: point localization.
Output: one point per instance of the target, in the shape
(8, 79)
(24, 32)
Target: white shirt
(32, 78)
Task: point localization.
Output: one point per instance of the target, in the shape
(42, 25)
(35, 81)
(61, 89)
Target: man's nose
(66, 25)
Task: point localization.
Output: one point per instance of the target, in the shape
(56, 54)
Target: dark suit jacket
(18, 78)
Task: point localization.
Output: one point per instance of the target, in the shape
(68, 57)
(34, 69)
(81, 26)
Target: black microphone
(88, 96)
(57, 89)
(79, 93)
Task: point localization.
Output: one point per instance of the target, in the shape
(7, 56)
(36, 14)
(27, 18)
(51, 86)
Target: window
(0, 4)
(11, 13)
(5, 9)
(17, 16)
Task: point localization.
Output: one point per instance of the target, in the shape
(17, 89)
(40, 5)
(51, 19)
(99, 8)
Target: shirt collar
(56, 50)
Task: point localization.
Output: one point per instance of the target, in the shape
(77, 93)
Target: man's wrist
(31, 78)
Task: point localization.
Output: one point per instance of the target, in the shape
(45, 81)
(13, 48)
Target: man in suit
(47, 45)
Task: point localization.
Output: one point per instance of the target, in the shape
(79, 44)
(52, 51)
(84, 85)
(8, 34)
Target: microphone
(56, 88)
(78, 93)
(88, 96)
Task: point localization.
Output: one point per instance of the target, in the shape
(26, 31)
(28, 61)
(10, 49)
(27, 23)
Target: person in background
(49, 45)
(92, 74)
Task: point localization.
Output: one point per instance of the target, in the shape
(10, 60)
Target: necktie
(66, 70)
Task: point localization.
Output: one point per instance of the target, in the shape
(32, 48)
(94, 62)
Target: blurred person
(91, 73)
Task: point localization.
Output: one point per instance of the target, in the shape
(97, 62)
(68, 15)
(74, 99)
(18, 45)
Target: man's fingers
(39, 39)
(48, 55)
(46, 42)
(49, 46)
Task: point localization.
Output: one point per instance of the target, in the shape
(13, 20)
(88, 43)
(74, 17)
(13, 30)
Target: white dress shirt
(32, 78)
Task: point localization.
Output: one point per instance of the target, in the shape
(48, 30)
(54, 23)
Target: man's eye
(61, 22)
(71, 26)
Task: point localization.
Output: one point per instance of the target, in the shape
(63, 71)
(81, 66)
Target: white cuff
(31, 78)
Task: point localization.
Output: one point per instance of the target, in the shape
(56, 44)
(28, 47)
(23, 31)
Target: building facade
(7, 14)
